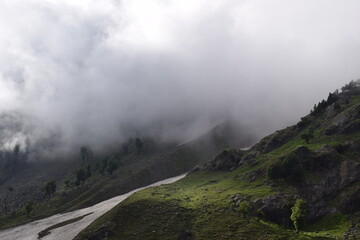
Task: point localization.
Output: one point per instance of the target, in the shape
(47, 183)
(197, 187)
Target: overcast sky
(96, 69)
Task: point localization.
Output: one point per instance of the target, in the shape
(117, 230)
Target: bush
(299, 213)
(307, 136)
(49, 188)
(305, 121)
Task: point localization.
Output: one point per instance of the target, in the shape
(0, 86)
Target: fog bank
(92, 72)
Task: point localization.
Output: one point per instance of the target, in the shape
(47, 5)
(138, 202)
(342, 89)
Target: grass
(333, 224)
(197, 206)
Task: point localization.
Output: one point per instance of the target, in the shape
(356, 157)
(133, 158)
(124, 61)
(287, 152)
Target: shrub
(305, 121)
(299, 213)
(307, 136)
(49, 188)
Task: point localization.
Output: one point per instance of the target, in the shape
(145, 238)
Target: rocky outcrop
(349, 172)
(276, 208)
(350, 201)
(230, 159)
(275, 140)
(346, 122)
(328, 176)
(324, 159)
(226, 160)
(302, 152)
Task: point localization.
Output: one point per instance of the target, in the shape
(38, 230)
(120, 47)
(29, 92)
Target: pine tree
(139, 144)
(29, 207)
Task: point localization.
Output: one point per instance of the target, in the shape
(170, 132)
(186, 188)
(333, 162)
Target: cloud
(97, 71)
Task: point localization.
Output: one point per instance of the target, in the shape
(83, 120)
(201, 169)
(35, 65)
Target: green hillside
(250, 194)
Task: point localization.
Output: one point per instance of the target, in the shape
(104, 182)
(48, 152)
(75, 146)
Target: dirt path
(31, 230)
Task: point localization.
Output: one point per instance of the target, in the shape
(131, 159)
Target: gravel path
(30, 231)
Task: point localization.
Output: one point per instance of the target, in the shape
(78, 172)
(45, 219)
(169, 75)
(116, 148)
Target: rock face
(328, 187)
(329, 177)
(349, 172)
(346, 122)
(227, 160)
(324, 159)
(275, 140)
(350, 201)
(276, 208)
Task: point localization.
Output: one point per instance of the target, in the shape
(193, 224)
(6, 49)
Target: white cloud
(92, 68)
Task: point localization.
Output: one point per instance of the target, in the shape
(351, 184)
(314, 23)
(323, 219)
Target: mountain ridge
(250, 194)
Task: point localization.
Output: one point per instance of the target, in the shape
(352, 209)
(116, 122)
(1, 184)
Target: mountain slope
(249, 194)
(155, 162)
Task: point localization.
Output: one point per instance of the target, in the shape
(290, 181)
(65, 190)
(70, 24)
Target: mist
(95, 72)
